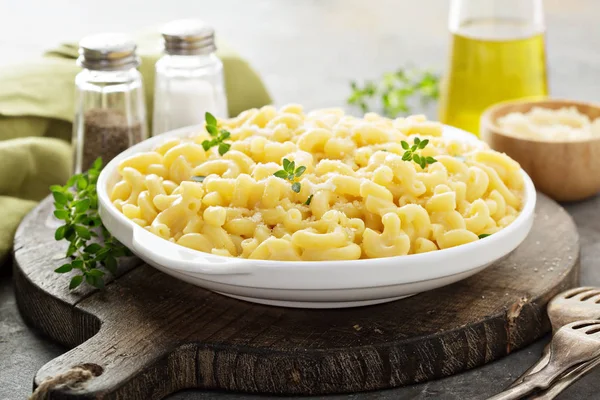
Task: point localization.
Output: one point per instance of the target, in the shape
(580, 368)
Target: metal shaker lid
(188, 37)
(107, 52)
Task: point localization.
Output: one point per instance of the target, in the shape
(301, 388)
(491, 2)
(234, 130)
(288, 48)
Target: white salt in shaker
(189, 77)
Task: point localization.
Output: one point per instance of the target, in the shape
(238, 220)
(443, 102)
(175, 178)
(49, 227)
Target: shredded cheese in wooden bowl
(563, 124)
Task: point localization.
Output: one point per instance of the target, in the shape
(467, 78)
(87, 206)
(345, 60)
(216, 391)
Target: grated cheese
(564, 124)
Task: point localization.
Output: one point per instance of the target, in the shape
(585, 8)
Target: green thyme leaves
(395, 90)
(290, 173)
(411, 154)
(219, 135)
(76, 205)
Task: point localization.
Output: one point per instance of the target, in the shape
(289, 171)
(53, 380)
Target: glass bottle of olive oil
(496, 54)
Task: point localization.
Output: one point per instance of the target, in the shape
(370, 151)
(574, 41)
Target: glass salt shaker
(189, 77)
(110, 114)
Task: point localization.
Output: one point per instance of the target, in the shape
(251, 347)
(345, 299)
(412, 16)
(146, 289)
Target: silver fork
(572, 344)
(570, 306)
(566, 380)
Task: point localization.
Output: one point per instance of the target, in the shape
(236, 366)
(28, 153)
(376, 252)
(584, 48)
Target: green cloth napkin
(36, 112)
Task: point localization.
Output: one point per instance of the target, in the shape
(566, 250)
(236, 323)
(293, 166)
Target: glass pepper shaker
(110, 114)
(189, 77)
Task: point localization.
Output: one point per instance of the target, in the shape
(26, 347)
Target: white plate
(317, 284)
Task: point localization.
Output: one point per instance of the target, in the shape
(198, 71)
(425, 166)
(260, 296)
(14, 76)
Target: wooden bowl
(565, 171)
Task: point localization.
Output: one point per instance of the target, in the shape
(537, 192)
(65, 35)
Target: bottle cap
(188, 37)
(107, 52)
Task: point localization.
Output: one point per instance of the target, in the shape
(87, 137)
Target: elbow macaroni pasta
(366, 201)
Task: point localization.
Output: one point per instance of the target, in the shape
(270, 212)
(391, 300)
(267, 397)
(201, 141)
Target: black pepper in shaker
(110, 114)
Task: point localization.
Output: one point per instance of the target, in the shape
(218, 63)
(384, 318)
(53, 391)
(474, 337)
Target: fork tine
(587, 295)
(593, 330)
(583, 324)
(592, 299)
(576, 291)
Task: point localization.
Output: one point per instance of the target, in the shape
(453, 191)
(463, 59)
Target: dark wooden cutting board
(148, 334)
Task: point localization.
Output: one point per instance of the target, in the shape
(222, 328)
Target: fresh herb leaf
(92, 248)
(71, 250)
(207, 144)
(97, 166)
(60, 198)
(83, 232)
(95, 272)
(411, 152)
(219, 135)
(224, 148)
(394, 90)
(210, 119)
(484, 235)
(307, 202)
(76, 204)
(61, 214)
(281, 174)
(111, 264)
(290, 173)
(94, 280)
(60, 232)
(81, 205)
(225, 134)
(75, 281)
(198, 178)
(64, 269)
(82, 183)
(212, 130)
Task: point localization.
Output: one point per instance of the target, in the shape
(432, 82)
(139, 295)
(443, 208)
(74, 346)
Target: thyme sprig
(394, 91)
(76, 204)
(290, 173)
(219, 135)
(411, 154)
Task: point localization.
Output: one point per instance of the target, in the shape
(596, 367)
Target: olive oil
(491, 61)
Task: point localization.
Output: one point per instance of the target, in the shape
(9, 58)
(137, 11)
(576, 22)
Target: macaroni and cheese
(358, 198)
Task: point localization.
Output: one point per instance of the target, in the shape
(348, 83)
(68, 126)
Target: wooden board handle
(116, 360)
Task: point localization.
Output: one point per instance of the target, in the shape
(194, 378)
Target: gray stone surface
(307, 51)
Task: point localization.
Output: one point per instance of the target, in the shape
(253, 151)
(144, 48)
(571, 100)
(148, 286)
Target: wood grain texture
(565, 171)
(156, 335)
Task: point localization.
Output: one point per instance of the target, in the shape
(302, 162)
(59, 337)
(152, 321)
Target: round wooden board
(152, 335)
